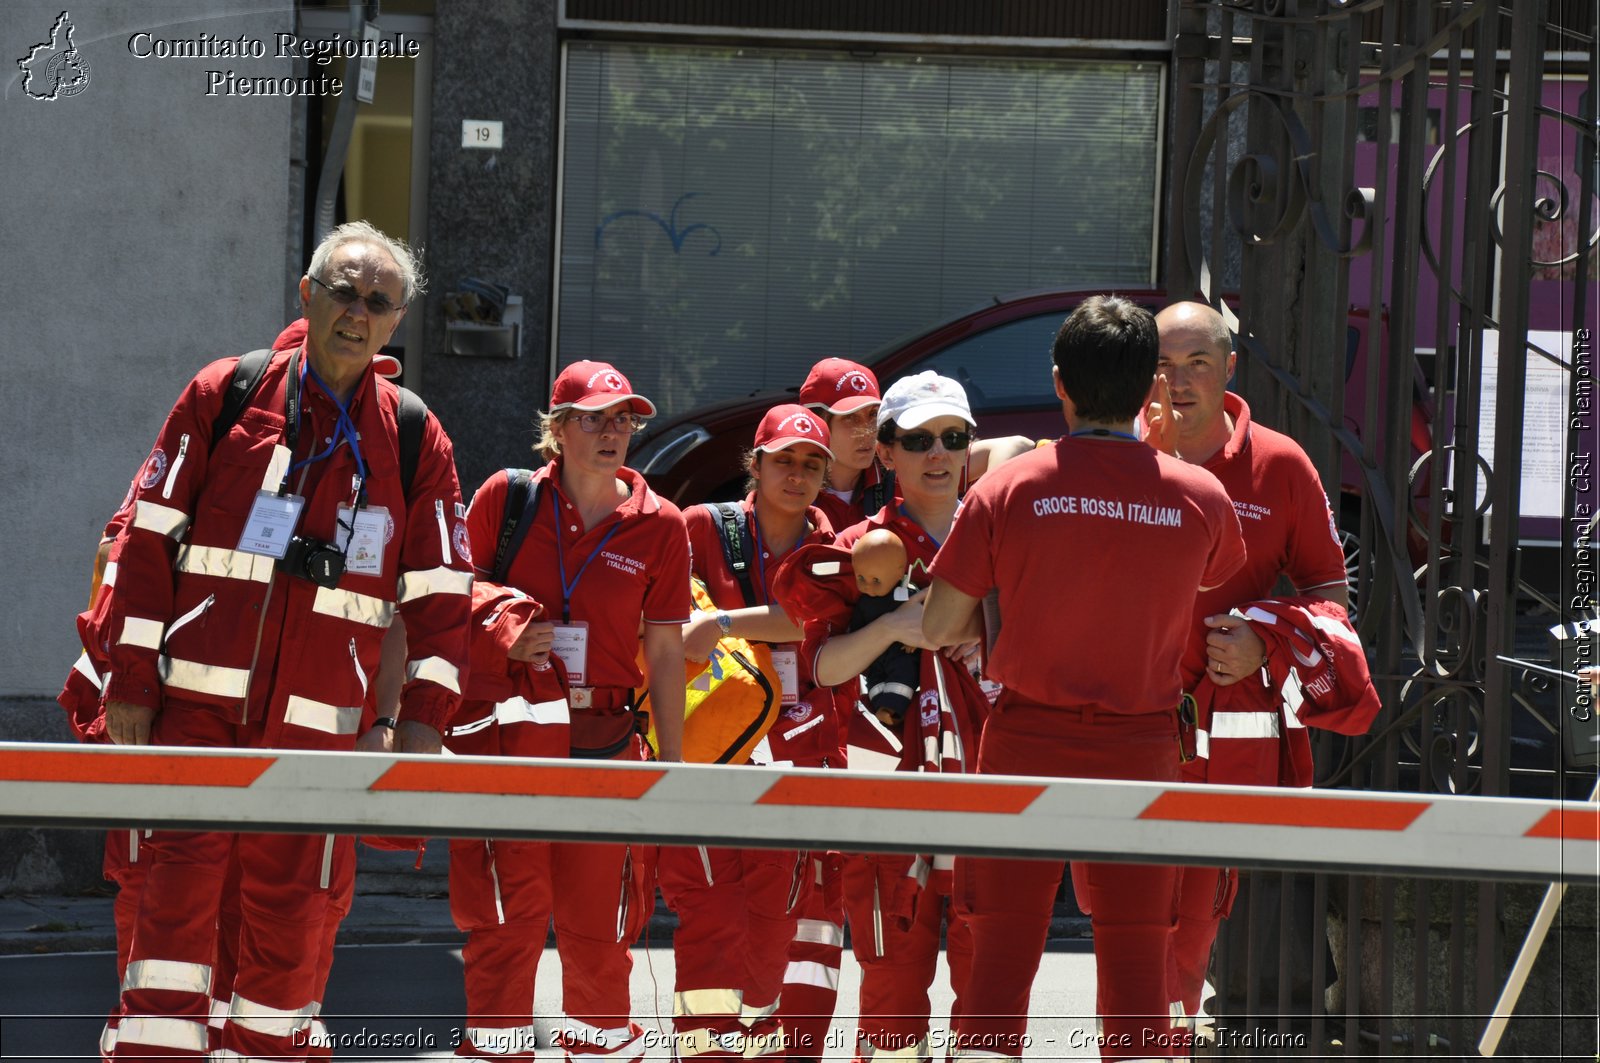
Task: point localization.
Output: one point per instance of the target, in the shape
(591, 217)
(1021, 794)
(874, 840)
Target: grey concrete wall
(143, 227)
(492, 215)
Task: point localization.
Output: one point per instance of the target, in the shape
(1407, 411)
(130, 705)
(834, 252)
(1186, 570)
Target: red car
(1000, 353)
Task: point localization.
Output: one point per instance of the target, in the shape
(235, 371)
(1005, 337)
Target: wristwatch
(388, 722)
(724, 622)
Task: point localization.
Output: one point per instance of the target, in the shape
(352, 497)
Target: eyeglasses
(952, 438)
(624, 424)
(378, 304)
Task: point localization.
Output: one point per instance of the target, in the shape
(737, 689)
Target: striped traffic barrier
(48, 785)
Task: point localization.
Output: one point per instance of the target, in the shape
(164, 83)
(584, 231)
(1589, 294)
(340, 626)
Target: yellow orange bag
(731, 700)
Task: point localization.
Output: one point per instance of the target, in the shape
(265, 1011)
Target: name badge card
(786, 659)
(572, 646)
(361, 534)
(271, 524)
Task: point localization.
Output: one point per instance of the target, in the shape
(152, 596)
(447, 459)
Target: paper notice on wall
(1544, 420)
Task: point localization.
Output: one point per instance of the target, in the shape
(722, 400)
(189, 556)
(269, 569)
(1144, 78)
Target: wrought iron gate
(1397, 200)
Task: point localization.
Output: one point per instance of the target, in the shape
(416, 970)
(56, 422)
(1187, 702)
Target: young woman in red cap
(846, 394)
(602, 554)
(737, 908)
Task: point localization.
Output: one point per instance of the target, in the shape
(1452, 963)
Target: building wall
(490, 215)
(144, 226)
(144, 230)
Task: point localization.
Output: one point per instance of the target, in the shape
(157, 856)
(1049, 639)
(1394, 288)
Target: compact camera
(320, 562)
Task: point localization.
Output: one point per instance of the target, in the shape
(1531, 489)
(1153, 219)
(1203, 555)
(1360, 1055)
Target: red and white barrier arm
(47, 785)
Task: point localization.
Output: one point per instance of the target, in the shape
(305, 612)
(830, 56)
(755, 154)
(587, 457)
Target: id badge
(572, 646)
(360, 535)
(786, 659)
(271, 524)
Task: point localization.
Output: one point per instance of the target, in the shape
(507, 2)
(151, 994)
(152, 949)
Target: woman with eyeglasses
(603, 557)
(897, 904)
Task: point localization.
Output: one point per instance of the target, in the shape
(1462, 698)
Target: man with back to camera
(1092, 691)
(255, 582)
(1288, 530)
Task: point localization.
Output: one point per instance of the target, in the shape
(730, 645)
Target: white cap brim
(922, 413)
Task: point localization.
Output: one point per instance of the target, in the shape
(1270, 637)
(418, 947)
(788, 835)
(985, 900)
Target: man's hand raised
(1161, 421)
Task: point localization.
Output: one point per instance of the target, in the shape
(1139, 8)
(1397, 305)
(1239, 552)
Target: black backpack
(522, 502)
(738, 546)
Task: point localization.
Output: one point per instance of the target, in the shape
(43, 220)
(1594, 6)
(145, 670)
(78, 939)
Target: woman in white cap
(603, 556)
(897, 904)
(738, 908)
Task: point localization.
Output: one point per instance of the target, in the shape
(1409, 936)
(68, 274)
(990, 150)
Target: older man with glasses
(272, 540)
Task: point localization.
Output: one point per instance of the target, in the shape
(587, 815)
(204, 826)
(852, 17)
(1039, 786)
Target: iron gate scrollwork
(1394, 204)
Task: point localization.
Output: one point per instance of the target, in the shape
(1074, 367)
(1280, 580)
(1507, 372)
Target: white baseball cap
(913, 401)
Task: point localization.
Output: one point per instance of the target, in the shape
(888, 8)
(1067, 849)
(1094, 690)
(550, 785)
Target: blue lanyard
(1106, 432)
(344, 428)
(913, 520)
(561, 559)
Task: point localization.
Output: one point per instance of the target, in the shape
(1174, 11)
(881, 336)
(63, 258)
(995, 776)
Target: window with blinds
(730, 215)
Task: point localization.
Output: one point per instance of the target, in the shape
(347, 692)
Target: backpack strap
(879, 494)
(738, 547)
(522, 502)
(242, 385)
(413, 417)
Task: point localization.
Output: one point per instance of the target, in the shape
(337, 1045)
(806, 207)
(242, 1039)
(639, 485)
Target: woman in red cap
(737, 908)
(602, 554)
(847, 394)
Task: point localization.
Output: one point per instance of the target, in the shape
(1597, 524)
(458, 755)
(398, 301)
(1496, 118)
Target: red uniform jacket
(942, 733)
(195, 620)
(1253, 732)
(509, 708)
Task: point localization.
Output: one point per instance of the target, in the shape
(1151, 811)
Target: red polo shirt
(1284, 514)
(640, 571)
(1098, 546)
(710, 565)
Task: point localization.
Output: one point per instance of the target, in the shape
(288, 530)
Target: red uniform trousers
(503, 895)
(811, 979)
(1008, 902)
(283, 912)
(1205, 897)
(737, 910)
(125, 864)
(897, 970)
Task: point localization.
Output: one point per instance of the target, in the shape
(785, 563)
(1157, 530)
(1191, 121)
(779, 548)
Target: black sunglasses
(952, 438)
